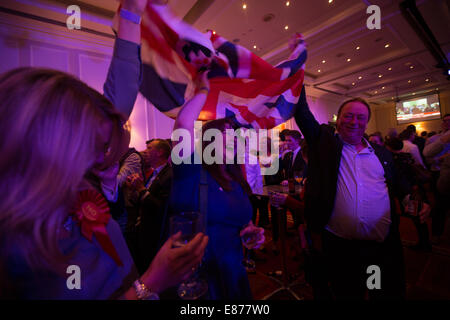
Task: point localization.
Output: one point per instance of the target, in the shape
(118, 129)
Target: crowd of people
(74, 193)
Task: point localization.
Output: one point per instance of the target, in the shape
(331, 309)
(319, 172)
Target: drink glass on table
(298, 176)
(189, 224)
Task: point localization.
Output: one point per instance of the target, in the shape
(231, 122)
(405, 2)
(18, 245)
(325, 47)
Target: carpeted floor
(427, 273)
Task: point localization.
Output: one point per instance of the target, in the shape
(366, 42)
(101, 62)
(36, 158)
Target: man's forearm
(305, 119)
(125, 71)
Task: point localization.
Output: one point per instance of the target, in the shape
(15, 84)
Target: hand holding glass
(189, 224)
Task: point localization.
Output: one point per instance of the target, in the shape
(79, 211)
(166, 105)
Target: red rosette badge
(92, 214)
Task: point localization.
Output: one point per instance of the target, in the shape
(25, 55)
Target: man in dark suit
(153, 196)
(349, 206)
(293, 162)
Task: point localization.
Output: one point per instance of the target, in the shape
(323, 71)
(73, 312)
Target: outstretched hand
(255, 234)
(174, 265)
(202, 81)
(294, 41)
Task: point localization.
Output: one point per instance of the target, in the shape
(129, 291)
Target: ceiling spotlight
(286, 27)
(323, 61)
(389, 68)
(254, 47)
(318, 70)
(244, 6)
(359, 77)
(348, 60)
(409, 81)
(387, 45)
(380, 75)
(427, 80)
(411, 67)
(376, 92)
(287, 3)
(353, 83)
(358, 47)
(330, 1)
(382, 88)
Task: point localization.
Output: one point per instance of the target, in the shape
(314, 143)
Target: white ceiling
(332, 32)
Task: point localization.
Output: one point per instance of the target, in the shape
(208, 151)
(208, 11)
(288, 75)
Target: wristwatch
(130, 16)
(142, 292)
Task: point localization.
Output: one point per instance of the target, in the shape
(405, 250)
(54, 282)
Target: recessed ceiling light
(382, 88)
(389, 68)
(409, 81)
(387, 45)
(348, 60)
(286, 27)
(411, 67)
(380, 75)
(287, 3)
(353, 83)
(323, 61)
(359, 77)
(318, 70)
(427, 80)
(358, 47)
(244, 6)
(330, 1)
(254, 47)
(376, 92)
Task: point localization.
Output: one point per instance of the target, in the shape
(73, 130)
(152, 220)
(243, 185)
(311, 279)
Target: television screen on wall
(419, 109)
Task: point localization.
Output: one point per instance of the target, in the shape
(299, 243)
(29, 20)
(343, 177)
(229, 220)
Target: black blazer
(152, 210)
(324, 155)
(298, 165)
(281, 173)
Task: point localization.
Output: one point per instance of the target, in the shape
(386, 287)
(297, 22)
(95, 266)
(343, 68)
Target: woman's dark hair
(224, 174)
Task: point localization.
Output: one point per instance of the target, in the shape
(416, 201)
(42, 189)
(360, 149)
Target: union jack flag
(243, 86)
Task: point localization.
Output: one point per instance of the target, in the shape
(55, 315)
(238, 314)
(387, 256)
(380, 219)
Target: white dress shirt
(362, 207)
(413, 150)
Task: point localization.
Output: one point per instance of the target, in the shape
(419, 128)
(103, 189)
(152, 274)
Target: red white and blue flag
(243, 86)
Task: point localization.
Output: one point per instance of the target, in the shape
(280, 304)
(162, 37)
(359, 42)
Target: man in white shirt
(408, 136)
(349, 206)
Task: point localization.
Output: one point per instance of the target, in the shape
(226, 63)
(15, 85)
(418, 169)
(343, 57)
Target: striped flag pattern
(243, 86)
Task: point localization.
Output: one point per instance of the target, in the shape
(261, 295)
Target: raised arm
(436, 145)
(305, 120)
(191, 110)
(125, 71)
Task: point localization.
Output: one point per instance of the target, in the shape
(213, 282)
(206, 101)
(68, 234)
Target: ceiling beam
(197, 10)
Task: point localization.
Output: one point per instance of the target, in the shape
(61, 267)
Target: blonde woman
(56, 133)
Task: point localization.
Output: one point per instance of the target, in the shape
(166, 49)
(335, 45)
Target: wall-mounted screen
(420, 109)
